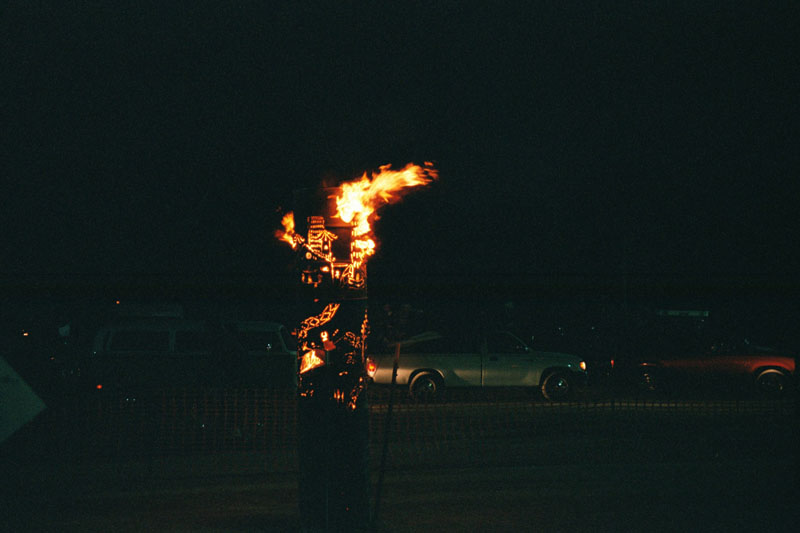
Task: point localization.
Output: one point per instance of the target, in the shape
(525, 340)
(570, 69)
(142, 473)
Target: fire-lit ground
(662, 469)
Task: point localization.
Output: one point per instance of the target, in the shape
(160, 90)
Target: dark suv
(140, 354)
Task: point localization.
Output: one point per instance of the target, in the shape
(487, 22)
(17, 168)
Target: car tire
(557, 386)
(772, 381)
(426, 387)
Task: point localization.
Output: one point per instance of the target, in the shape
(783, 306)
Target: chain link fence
(476, 428)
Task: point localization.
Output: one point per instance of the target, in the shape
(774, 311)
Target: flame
(288, 233)
(360, 198)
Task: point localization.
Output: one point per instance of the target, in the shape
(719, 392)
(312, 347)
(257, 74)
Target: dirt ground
(644, 474)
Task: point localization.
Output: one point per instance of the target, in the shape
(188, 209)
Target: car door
(506, 361)
(192, 358)
(267, 362)
(135, 358)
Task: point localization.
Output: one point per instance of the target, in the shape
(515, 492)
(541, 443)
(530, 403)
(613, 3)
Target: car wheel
(772, 381)
(426, 387)
(557, 386)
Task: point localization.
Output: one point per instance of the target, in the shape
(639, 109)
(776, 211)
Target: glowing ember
(310, 360)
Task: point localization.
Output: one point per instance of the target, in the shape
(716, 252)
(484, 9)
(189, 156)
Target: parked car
(721, 365)
(430, 362)
(686, 349)
(140, 354)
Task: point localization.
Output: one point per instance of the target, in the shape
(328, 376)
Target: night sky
(649, 138)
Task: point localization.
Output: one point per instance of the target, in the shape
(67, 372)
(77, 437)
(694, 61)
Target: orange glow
(372, 366)
(288, 233)
(99, 386)
(327, 343)
(356, 205)
(310, 361)
(360, 198)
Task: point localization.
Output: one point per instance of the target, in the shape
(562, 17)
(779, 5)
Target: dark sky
(571, 137)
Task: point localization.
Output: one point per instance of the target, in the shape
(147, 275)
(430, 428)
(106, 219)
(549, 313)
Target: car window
(677, 339)
(429, 346)
(101, 340)
(503, 342)
(139, 340)
(443, 345)
(288, 339)
(259, 340)
(192, 341)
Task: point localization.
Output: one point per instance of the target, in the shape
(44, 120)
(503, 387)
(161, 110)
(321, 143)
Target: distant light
(117, 302)
(583, 365)
(99, 386)
(25, 334)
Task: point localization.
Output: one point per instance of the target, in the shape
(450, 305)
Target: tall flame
(359, 199)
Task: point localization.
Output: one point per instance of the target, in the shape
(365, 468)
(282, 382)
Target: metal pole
(386, 430)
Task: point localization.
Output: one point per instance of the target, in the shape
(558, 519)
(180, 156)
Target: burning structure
(333, 238)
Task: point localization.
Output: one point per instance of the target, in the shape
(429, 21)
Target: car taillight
(372, 366)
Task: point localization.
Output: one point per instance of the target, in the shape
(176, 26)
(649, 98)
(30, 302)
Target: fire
(288, 233)
(359, 199)
(356, 204)
(310, 361)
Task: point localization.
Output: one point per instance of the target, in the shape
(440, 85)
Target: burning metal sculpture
(333, 239)
(337, 274)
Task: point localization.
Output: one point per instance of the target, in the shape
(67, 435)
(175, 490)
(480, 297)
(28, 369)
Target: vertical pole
(386, 433)
(332, 410)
